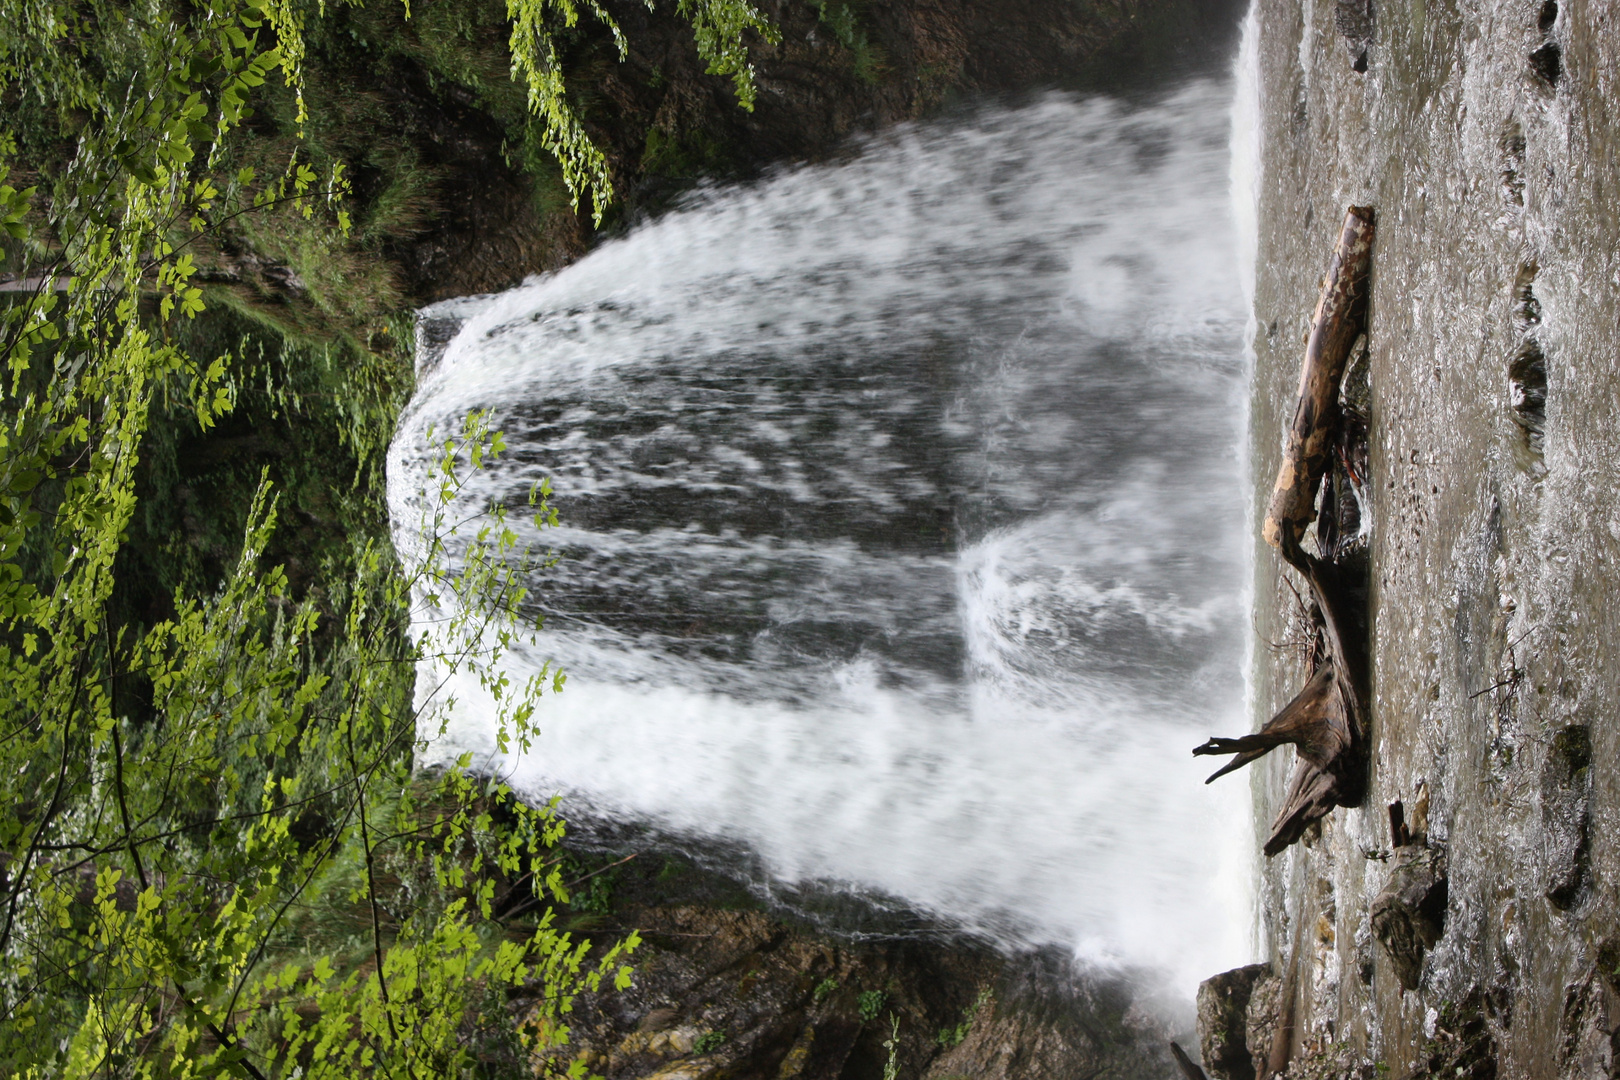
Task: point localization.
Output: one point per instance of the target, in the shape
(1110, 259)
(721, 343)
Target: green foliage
(220, 858)
(389, 78)
(319, 284)
(207, 806)
(870, 1003)
(709, 1042)
(719, 26)
(589, 890)
(951, 1037)
(843, 19)
(679, 154)
(891, 1065)
(824, 989)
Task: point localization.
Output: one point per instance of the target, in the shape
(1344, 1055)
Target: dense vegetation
(217, 215)
(219, 858)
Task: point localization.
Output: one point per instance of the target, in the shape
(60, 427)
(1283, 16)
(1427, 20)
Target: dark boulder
(1223, 1010)
(1565, 789)
(1410, 914)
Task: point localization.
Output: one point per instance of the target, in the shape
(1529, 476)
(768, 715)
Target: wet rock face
(1463, 1046)
(1019, 1040)
(843, 68)
(739, 994)
(1223, 1019)
(1410, 914)
(1565, 786)
(1485, 135)
(1261, 1019)
(1354, 19)
(723, 988)
(1590, 1027)
(433, 337)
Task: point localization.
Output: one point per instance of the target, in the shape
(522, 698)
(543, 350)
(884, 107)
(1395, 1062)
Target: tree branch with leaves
(222, 856)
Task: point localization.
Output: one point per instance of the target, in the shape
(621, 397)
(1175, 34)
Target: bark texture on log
(1299, 723)
(1326, 721)
(1308, 448)
(1319, 722)
(1321, 780)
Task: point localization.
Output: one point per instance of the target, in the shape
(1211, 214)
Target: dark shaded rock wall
(727, 988)
(843, 68)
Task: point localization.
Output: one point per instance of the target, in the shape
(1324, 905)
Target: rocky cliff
(729, 987)
(842, 68)
(1483, 939)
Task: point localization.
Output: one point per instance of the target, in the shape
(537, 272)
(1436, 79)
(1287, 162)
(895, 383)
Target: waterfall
(902, 536)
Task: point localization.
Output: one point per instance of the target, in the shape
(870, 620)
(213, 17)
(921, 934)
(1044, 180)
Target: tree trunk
(1307, 449)
(1326, 720)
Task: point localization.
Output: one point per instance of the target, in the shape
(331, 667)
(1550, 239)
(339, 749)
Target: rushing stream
(902, 522)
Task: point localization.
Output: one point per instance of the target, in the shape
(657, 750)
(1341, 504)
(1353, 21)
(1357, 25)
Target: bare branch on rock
(1326, 721)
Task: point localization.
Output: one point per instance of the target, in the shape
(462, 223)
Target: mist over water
(902, 511)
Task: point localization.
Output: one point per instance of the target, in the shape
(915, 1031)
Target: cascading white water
(902, 522)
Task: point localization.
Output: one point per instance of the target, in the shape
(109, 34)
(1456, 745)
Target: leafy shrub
(951, 1037)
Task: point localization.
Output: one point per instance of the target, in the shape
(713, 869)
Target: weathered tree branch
(1326, 721)
(1299, 723)
(1307, 451)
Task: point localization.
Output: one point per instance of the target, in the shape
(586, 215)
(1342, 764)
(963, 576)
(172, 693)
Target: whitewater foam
(903, 538)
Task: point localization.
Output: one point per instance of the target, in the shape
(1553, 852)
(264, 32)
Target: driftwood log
(1307, 451)
(1326, 721)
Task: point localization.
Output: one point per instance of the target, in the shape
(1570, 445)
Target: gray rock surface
(1566, 782)
(725, 988)
(1410, 914)
(1487, 137)
(1223, 1019)
(1260, 1023)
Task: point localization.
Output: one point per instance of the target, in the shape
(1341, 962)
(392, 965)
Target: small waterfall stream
(902, 522)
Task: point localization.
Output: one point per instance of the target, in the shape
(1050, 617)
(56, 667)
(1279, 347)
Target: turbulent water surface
(901, 522)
